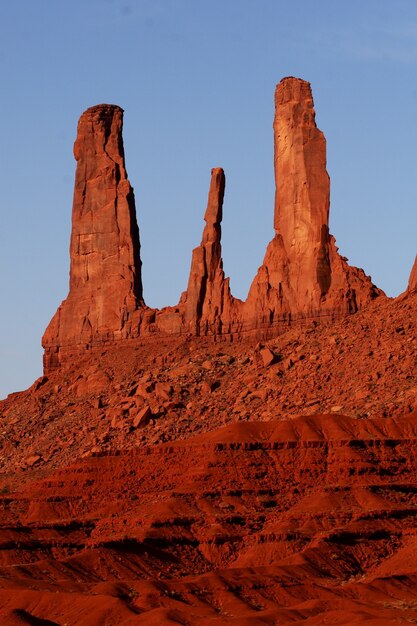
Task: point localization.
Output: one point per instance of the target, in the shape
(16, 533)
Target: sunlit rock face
(302, 278)
(105, 267)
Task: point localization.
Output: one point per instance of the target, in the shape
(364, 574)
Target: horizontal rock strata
(253, 518)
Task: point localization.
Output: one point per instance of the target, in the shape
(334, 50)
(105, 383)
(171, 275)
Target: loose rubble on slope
(362, 366)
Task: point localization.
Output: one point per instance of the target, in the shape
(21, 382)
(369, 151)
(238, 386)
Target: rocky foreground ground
(194, 481)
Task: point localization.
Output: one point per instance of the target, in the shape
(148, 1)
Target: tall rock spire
(302, 279)
(105, 267)
(208, 291)
(302, 196)
(302, 276)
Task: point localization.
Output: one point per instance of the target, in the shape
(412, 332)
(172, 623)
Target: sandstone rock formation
(303, 278)
(151, 478)
(302, 190)
(208, 296)
(412, 281)
(105, 273)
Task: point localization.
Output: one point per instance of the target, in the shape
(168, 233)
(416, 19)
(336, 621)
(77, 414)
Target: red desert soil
(221, 482)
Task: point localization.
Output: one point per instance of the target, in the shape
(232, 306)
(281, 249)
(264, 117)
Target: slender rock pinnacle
(207, 287)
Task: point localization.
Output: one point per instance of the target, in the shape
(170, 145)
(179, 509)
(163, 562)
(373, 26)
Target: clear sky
(197, 80)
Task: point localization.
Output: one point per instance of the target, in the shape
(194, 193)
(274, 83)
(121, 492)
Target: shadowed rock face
(105, 273)
(302, 278)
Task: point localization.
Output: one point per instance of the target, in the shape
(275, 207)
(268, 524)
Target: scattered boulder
(163, 390)
(142, 418)
(30, 461)
(269, 357)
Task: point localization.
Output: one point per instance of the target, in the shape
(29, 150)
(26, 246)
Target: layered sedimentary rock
(412, 281)
(105, 269)
(302, 278)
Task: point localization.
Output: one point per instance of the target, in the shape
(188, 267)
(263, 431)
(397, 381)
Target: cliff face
(105, 268)
(302, 277)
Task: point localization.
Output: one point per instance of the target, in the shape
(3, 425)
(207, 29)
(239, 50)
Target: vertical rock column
(208, 294)
(302, 197)
(296, 273)
(105, 267)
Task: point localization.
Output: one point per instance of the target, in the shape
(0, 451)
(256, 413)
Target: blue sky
(196, 80)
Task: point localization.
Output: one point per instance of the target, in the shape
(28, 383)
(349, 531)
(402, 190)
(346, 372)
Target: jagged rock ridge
(302, 277)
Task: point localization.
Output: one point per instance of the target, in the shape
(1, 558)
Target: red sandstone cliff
(105, 273)
(148, 481)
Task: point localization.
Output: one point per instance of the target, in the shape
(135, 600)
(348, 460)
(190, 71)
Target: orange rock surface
(208, 299)
(218, 462)
(412, 282)
(167, 479)
(305, 521)
(302, 276)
